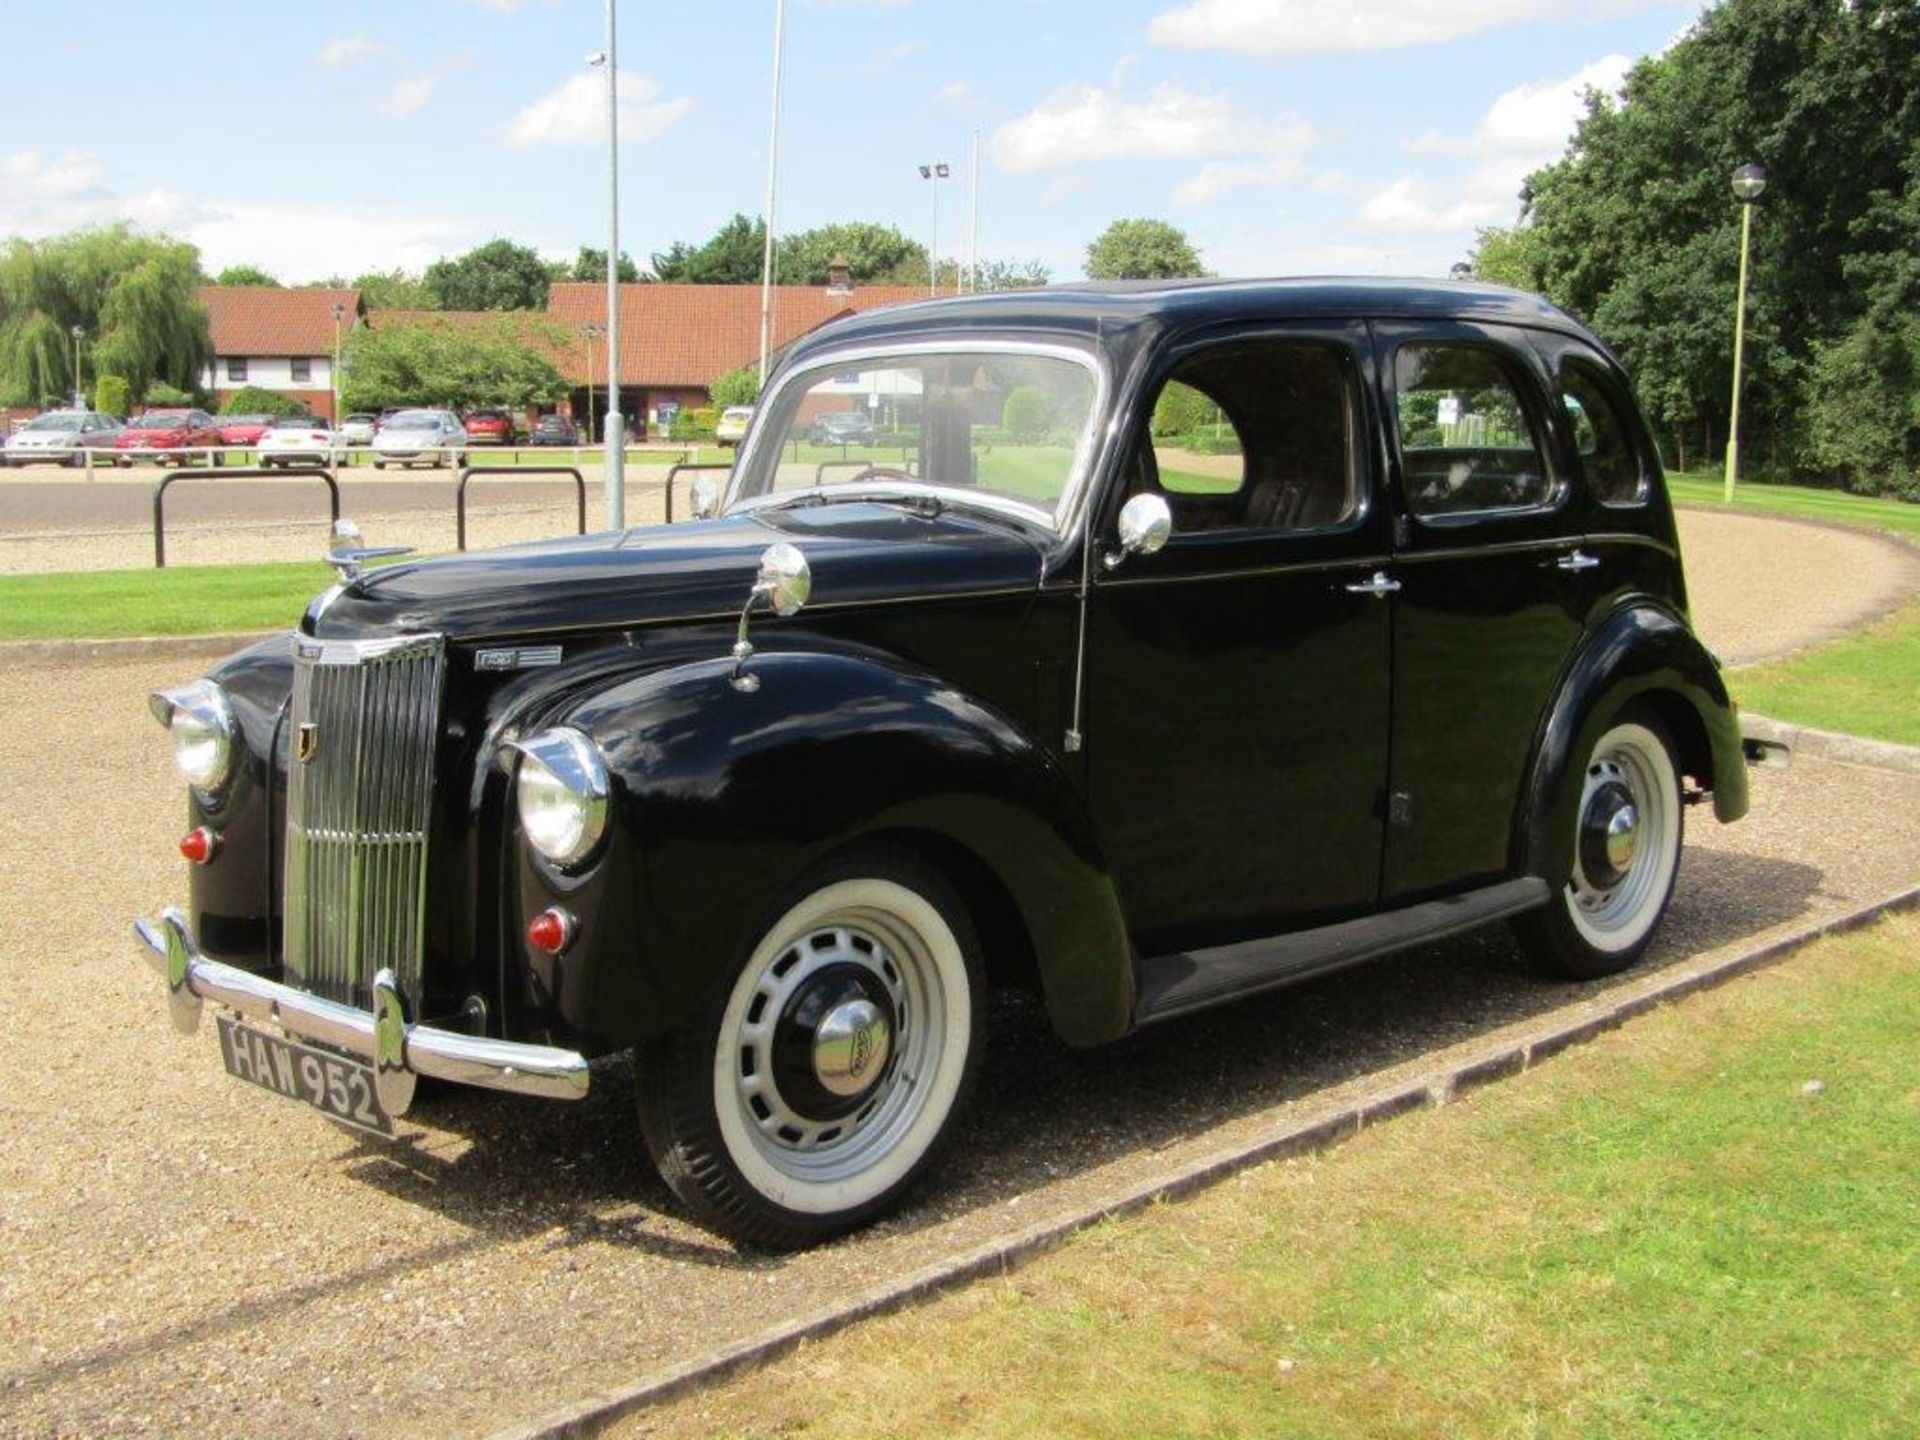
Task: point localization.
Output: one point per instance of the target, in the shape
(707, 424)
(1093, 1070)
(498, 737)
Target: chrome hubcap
(1609, 829)
(850, 1047)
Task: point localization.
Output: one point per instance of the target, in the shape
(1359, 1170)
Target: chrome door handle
(1378, 584)
(1578, 560)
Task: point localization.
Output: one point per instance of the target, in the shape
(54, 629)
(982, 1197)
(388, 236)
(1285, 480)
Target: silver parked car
(421, 437)
(59, 436)
(358, 428)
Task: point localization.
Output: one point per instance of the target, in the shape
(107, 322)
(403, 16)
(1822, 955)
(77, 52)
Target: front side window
(1466, 443)
(301, 367)
(1013, 426)
(1608, 457)
(1255, 436)
(236, 368)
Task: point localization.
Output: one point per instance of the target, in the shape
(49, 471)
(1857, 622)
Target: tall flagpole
(773, 176)
(973, 244)
(616, 476)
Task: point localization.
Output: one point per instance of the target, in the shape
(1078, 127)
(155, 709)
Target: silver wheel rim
(1616, 914)
(905, 952)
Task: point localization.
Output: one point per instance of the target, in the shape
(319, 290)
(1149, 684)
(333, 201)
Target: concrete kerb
(1833, 745)
(152, 647)
(1345, 1113)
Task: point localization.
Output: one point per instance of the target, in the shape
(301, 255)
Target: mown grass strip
(1705, 488)
(1669, 1232)
(1867, 683)
(181, 600)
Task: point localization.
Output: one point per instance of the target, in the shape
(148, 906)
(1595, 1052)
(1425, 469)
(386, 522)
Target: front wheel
(812, 1092)
(1626, 853)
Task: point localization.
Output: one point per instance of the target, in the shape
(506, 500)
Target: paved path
(187, 1255)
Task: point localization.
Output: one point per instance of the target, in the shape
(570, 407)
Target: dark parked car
(842, 427)
(1129, 722)
(554, 430)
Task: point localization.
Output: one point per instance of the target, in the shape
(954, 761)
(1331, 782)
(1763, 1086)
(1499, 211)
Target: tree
(111, 393)
(1142, 250)
(591, 264)
(1508, 256)
(737, 387)
(393, 290)
(498, 275)
(732, 257)
(1634, 228)
(453, 362)
(874, 253)
(134, 296)
(1028, 414)
(1012, 274)
(252, 400)
(245, 275)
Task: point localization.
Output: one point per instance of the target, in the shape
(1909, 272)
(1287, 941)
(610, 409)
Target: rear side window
(1466, 443)
(1608, 457)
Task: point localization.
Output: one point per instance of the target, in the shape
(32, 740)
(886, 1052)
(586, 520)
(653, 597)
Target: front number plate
(339, 1088)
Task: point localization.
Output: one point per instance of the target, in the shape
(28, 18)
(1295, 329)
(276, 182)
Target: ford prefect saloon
(1154, 646)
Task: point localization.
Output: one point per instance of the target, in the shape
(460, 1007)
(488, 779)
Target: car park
(167, 436)
(554, 430)
(489, 427)
(61, 437)
(1137, 723)
(420, 437)
(357, 429)
(297, 440)
(731, 428)
(242, 429)
(842, 427)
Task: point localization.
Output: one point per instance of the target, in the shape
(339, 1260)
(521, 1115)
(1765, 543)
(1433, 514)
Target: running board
(1173, 985)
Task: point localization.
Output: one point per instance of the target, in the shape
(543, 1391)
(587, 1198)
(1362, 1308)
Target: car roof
(1091, 309)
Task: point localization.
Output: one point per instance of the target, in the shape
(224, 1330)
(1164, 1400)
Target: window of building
(1255, 436)
(237, 368)
(1608, 457)
(301, 366)
(1466, 443)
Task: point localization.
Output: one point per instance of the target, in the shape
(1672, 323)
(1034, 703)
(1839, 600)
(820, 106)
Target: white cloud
(960, 95)
(1217, 177)
(1086, 123)
(1309, 27)
(1523, 129)
(575, 114)
(344, 51)
(305, 242)
(409, 95)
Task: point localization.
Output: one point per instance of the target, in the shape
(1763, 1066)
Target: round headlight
(200, 720)
(562, 795)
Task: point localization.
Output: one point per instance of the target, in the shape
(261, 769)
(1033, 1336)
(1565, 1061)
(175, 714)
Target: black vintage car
(1189, 640)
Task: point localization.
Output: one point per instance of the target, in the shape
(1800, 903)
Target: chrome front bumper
(399, 1052)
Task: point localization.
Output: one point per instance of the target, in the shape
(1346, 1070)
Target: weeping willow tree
(133, 296)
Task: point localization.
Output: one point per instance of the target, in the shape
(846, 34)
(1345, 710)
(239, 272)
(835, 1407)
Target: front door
(1238, 681)
(1493, 595)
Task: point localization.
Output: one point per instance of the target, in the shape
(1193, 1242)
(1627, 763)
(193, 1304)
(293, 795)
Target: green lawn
(181, 600)
(1867, 683)
(1705, 488)
(1661, 1234)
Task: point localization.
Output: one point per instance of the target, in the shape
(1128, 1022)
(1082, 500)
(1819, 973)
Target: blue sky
(1284, 136)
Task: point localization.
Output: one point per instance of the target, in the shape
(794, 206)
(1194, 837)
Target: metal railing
(467, 472)
(237, 473)
(675, 472)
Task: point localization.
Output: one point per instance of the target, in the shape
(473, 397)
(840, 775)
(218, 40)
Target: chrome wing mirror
(705, 497)
(1145, 524)
(347, 555)
(785, 582)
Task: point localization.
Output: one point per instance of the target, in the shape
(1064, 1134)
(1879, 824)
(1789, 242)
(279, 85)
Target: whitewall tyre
(822, 1081)
(1628, 829)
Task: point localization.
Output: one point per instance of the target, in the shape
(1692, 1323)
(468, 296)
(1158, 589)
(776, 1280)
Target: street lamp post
(616, 475)
(78, 397)
(934, 174)
(773, 178)
(590, 331)
(1748, 181)
(333, 375)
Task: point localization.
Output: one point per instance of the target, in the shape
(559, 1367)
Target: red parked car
(166, 436)
(489, 427)
(243, 429)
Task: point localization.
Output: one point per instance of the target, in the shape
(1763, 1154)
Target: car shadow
(1042, 1111)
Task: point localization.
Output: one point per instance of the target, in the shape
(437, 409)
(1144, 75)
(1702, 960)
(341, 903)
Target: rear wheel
(1628, 831)
(813, 1091)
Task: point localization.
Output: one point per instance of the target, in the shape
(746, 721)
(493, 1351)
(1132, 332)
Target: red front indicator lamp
(551, 930)
(199, 846)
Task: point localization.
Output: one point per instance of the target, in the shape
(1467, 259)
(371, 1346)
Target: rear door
(1493, 594)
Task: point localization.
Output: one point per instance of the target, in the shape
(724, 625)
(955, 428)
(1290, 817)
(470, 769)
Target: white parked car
(358, 428)
(732, 428)
(296, 440)
(420, 437)
(58, 437)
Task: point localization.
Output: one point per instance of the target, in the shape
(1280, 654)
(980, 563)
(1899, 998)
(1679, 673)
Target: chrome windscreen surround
(364, 725)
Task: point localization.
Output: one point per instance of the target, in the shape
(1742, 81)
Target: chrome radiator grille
(366, 714)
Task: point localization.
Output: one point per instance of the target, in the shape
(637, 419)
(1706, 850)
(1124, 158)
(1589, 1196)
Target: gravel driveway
(187, 1254)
